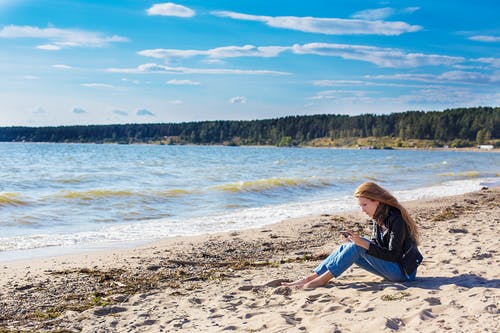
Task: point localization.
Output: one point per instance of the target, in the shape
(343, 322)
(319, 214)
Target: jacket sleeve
(392, 247)
(374, 232)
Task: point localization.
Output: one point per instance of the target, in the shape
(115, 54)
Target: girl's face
(368, 206)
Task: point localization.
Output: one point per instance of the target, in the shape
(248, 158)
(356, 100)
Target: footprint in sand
(334, 308)
(252, 314)
(325, 298)
(433, 300)
(246, 288)
(394, 323)
(313, 298)
(426, 314)
(109, 310)
(271, 284)
(276, 283)
(230, 328)
(285, 291)
(492, 308)
(290, 319)
(316, 298)
(196, 300)
(418, 315)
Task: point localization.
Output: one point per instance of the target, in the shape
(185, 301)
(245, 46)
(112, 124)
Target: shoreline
(461, 149)
(231, 280)
(425, 193)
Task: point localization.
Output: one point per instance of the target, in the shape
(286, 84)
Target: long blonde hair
(375, 192)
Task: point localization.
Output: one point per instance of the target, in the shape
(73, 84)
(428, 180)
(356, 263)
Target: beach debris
(396, 296)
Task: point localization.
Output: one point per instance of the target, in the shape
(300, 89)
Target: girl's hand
(345, 235)
(358, 240)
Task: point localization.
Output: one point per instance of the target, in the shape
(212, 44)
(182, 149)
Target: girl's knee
(357, 248)
(349, 245)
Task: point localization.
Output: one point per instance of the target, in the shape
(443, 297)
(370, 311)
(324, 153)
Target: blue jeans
(349, 253)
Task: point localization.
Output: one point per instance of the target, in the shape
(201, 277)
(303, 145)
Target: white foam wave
(444, 189)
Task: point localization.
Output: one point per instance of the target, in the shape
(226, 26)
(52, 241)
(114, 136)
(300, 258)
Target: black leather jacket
(391, 243)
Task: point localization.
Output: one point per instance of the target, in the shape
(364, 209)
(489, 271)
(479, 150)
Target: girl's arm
(359, 241)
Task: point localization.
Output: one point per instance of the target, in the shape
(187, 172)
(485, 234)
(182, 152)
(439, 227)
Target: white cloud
(155, 68)
(170, 9)
(358, 83)
(212, 61)
(59, 66)
(30, 77)
(183, 82)
(469, 67)
(409, 10)
(328, 26)
(374, 14)
(217, 53)
(144, 112)
(238, 100)
(469, 77)
(132, 81)
(339, 94)
(97, 85)
(486, 39)
(176, 102)
(441, 95)
(461, 77)
(382, 13)
(60, 38)
(79, 111)
(120, 112)
(382, 57)
(423, 97)
(408, 77)
(49, 47)
(495, 62)
(38, 110)
(332, 83)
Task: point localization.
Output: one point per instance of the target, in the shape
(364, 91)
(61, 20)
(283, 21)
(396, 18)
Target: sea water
(59, 198)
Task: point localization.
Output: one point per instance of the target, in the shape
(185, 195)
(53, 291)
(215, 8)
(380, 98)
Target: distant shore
(326, 146)
(231, 281)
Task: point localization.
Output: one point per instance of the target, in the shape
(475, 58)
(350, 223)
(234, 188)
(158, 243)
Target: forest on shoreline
(456, 128)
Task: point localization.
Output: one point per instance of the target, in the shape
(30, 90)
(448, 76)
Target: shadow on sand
(426, 282)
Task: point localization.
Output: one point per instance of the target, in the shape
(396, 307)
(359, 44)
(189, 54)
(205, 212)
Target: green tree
(285, 141)
(483, 136)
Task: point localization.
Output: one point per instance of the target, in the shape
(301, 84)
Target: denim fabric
(349, 253)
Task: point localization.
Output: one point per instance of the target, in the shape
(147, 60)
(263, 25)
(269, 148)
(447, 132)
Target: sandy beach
(232, 281)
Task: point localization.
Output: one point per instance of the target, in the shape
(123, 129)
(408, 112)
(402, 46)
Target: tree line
(464, 126)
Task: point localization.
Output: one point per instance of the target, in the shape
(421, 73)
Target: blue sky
(107, 62)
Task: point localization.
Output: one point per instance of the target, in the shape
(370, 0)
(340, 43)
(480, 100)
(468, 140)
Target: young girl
(394, 233)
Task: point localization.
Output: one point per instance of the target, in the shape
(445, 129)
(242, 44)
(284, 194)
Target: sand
(232, 281)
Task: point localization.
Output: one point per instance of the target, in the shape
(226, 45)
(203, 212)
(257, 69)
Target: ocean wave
(94, 194)
(69, 181)
(448, 188)
(98, 194)
(261, 185)
(228, 221)
(467, 174)
(173, 193)
(11, 199)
